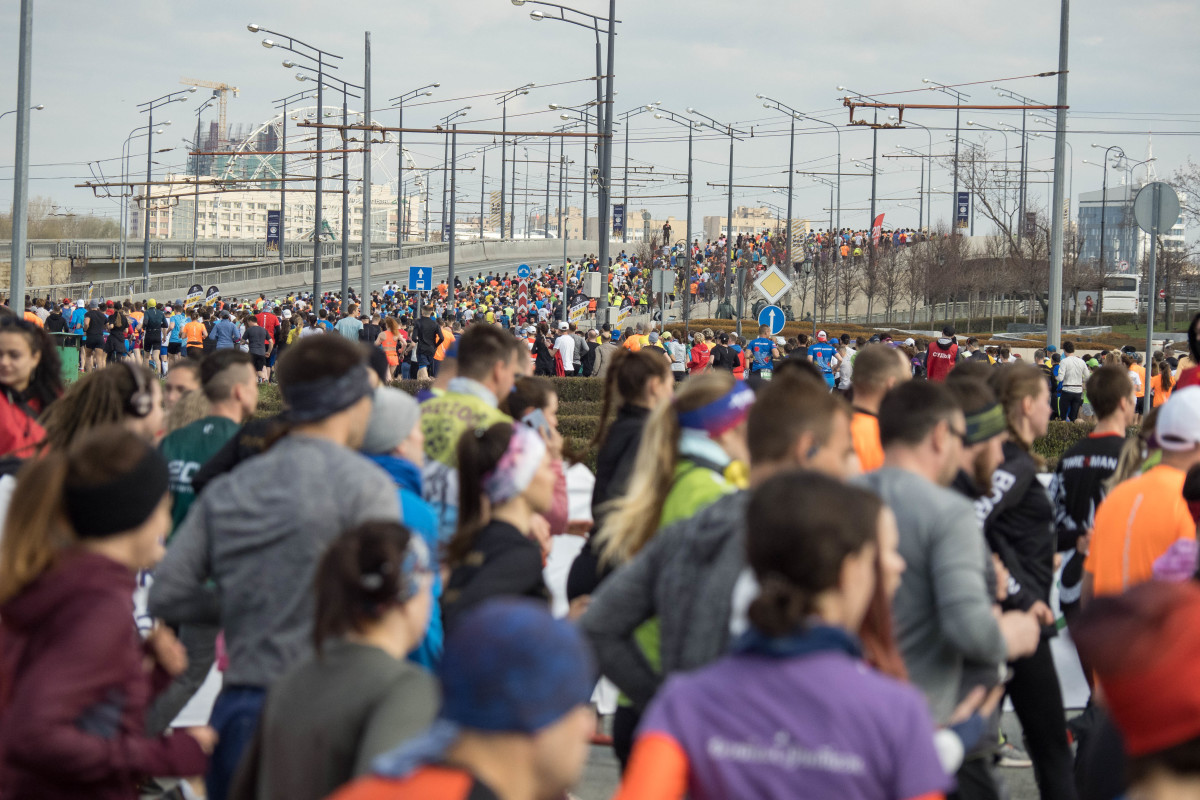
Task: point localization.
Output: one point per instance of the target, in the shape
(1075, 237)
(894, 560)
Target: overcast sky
(1134, 68)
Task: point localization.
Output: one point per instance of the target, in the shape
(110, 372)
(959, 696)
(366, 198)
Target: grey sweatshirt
(942, 612)
(245, 555)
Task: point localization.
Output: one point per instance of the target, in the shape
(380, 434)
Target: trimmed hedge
(579, 415)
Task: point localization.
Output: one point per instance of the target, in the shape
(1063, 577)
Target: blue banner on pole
(963, 213)
(272, 231)
(618, 217)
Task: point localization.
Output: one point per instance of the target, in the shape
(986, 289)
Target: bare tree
(823, 279)
(849, 279)
(891, 277)
(47, 221)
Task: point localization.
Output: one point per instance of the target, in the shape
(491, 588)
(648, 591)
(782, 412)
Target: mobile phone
(537, 420)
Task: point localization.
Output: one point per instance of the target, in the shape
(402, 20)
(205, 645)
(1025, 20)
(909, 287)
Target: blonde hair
(631, 520)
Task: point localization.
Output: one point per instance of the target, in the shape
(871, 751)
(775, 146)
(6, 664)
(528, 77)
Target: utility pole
(365, 256)
(16, 285)
(1054, 319)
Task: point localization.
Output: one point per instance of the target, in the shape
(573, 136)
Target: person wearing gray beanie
(394, 441)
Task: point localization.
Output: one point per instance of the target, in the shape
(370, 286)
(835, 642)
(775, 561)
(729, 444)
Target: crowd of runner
(809, 567)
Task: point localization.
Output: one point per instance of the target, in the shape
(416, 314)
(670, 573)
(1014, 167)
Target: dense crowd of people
(809, 567)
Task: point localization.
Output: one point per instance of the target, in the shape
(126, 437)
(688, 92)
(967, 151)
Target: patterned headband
(515, 470)
(721, 414)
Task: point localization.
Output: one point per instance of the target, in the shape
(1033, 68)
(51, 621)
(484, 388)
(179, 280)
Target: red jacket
(20, 434)
(74, 689)
(699, 359)
(940, 359)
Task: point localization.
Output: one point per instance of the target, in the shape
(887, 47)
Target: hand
(554, 443)
(1021, 633)
(1084, 543)
(1042, 612)
(205, 736)
(539, 531)
(578, 606)
(1002, 577)
(165, 649)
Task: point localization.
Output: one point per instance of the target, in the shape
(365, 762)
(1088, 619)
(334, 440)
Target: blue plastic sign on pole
(618, 218)
(964, 209)
(273, 231)
(420, 279)
(772, 317)
(523, 271)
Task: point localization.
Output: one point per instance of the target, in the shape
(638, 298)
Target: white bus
(1122, 294)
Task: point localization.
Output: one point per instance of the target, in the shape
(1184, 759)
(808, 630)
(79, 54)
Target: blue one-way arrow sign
(772, 317)
(420, 279)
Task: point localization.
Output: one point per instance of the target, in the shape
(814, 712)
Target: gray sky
(95, 61)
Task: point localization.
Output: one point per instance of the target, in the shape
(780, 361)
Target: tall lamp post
(1004, 208)
(604, 117)
(1104, 198)
(324, 60)
(125, 178)
(692, 125)
(38, 107)
(444, 124)
(20, 211)
(733, 134)
(1070, 170)
(625, 116)
(928, 156)
(401, 208)
(283, 104)
(344, 87)
(579, 114)
(793, 115)
(1028, 101)
(196, 175)
(502, 101)
(958, 98)
(148, 109)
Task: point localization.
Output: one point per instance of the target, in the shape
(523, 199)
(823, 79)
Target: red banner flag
(876, 230)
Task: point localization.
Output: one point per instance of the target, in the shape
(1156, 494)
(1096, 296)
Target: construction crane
(221, 89)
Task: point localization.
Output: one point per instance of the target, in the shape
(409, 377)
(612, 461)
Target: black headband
(315, 400)
(122, 503)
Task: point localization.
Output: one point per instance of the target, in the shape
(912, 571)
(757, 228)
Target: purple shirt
(820, 725)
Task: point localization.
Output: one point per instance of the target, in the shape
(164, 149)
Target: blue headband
(721, 414)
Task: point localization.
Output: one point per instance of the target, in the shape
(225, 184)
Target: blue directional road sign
(523, 271)
(420, 279)
(772, 317)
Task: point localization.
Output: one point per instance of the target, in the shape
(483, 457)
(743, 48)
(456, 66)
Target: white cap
(562, 326)
(1178, 426)
(910, 342)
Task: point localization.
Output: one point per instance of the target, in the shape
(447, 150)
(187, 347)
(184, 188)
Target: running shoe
(1013, 756)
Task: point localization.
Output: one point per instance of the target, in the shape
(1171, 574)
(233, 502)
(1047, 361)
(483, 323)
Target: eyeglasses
(962, 435)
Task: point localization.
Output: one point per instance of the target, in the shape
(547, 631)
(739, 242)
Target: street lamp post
(20, 211)
(928, 155)
(401, 205)
(503, 102)
(319, 56)
(344, 87)
(196, 175)
(625, 176)
(733, 134)
(298, 96)
(1028, 101)
(692, 125)
(1004, 196)
(604, 120)
(580, 114)
(1104, 200)
(958, 98)
(148, 109)
(793, 115)
(123, 265)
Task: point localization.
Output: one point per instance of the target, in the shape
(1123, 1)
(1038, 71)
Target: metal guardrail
(176, 284)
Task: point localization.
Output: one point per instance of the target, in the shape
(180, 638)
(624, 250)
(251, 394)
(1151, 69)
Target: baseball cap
(287, 313)
(910, 342)
(1051, 349)
(150, 303)
(562, 326)
(822, 336)
(1178, 425)
(109, 304)
(79, 304)
(653, 337)
(666, 334)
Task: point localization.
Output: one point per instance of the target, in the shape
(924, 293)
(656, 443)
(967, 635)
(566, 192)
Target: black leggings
(1037, 699)
(625, 723)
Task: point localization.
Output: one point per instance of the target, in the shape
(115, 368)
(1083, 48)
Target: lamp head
(518, 3)
(167, 123)
(252, 28)
(564, 116)
(536, 16)
(759, 96)
(429, 94)
(658, 116)
(38, 107)
(841, 88)
(925, 80)
(554, 106)
(301, 78)
(288, 64)
(766, 105)
(267, 43)
(437, 86)
(691, 110)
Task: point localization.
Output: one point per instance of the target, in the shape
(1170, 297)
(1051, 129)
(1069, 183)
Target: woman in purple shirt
(794, 710)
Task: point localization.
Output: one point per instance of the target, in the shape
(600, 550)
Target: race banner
(212, 296)
(623, 314)
(273, 231)
(195, 296)
(876, 230)
(578, 309)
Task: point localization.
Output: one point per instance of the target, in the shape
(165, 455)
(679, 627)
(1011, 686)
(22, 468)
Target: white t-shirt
(566, 345)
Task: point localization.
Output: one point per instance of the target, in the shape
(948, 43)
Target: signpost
(773, 318)
(273, 231)
(963, 212)
(1156, 206)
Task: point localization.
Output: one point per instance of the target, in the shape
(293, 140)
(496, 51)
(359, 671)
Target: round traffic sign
(772, 317)
(523, 271)
(1160, 197)
(1162, 294)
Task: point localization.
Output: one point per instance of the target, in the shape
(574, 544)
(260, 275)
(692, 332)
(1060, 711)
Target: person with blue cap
(515, 720)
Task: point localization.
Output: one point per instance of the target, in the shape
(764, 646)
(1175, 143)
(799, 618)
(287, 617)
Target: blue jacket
(418, 516)
(225, 334)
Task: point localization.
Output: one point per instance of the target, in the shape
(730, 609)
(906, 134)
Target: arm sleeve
(559, 513)
(408, 709)
(658, 770)
(1008, 487)
(623, 602)
(960, 591)
(88, 665)
(180, 592)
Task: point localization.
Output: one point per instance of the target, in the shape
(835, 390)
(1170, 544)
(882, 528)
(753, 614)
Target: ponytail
(630, 521)
(478, 452)
(627, 376)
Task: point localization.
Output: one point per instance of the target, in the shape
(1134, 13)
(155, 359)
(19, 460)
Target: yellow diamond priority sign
(773, 284)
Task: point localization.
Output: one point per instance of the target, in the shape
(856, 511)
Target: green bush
(1059, 438)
